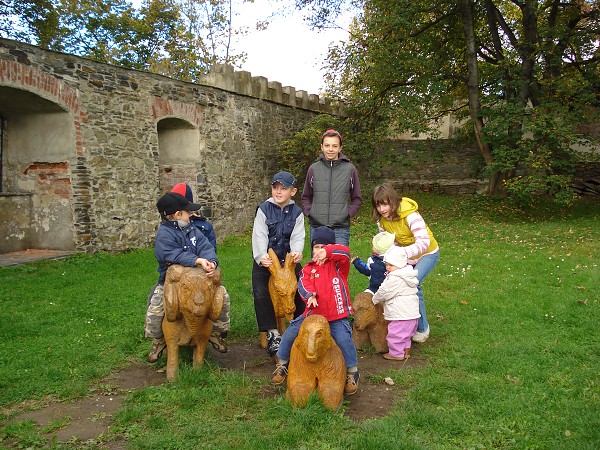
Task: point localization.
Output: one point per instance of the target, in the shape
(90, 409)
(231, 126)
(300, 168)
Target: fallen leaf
(389, 381)
(464, 302)
(584, 302)
(581, 288)
(512, 379)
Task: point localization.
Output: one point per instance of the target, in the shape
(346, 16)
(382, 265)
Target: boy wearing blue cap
(278, 224)
(323, 285)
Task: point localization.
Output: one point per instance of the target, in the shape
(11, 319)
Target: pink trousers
(399, 335)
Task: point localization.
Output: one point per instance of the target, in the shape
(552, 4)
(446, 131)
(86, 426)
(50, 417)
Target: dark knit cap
(323, 235)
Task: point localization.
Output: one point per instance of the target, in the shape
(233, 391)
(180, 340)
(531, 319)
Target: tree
(524, 73)
(181, 39)
(21, 19)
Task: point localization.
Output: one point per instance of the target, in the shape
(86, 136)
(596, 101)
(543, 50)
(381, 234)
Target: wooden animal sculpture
(316, 362)
(369, 325)
(193, 302)
(283, 285)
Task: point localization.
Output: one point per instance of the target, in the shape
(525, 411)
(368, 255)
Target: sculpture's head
(365, 313)
(314, 337)
(189, 289)
(283, 285)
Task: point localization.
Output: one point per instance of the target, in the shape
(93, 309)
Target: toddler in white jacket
(398, 293)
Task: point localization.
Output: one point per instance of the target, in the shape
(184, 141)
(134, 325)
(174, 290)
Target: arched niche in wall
(178, 151)
(38, 142)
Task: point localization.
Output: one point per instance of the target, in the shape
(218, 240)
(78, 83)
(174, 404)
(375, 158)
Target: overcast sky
(288, 51)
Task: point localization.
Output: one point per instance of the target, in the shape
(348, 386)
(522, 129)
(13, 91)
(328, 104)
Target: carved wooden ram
(369, 326)
(316, 362)
(193, 302)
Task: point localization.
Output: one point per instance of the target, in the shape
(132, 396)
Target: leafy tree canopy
(523, 74)
(181, 38)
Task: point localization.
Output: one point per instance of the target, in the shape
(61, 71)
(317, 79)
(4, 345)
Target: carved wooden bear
(283, 285)
(369, 325)
(193, 302)
(316, 362)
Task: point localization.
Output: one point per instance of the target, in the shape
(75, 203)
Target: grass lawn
(513, 358)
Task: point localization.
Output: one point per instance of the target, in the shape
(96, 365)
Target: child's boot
(351, 383)
(280, 374)
(158, 346)
(216, 339)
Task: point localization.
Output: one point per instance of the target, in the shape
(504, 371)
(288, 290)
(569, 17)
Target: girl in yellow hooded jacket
(400, 215)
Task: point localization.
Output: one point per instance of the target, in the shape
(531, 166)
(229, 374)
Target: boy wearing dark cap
(176, 242)
(331, 195)
(223, 323)
(278, 224)
(323, 285)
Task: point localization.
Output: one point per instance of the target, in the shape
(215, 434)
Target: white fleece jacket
(398, 293)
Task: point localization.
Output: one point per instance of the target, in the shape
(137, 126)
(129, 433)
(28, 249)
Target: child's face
(331, 147)
(319, 253)
(282, 194)
(182, 215)
(390, 267)
(385, 210)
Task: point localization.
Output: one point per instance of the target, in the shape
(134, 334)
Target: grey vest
(331, 193)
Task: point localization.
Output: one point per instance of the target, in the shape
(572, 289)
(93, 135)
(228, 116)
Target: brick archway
(44, 175)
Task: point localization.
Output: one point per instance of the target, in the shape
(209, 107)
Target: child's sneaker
(158, 346)
(280, 374)
(351, 383)
(421, 336)
(273, 341)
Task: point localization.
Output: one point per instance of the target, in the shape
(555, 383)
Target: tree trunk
(473, 90)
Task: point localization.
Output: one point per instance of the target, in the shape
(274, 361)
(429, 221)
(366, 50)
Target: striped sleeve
(419, 230)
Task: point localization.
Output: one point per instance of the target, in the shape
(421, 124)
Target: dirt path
(87, 418)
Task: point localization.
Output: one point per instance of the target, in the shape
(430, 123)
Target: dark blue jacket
(206, 229)
(174, 245)
(376, 272)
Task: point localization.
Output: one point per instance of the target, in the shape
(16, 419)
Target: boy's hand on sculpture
(208, 266)
(297, 257)
(266, 261)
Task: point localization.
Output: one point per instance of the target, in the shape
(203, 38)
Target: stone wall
(92, 146)
(448, 166)
(87, 148)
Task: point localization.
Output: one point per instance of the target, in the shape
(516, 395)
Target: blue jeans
(425, 265)
(341, 332)
(342, 235)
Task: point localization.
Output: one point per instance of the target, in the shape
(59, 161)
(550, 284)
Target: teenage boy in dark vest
(331, 195)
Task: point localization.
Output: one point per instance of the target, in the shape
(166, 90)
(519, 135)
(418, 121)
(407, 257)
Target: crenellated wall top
(224, 76)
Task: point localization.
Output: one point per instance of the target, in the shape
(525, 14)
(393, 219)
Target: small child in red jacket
(323, 285)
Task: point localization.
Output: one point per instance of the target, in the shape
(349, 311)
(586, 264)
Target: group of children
(187, 238)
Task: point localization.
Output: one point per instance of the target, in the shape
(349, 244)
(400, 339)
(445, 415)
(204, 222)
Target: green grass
(513, 359)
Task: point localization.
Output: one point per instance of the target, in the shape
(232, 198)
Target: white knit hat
(383, 241)
(396, 256)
